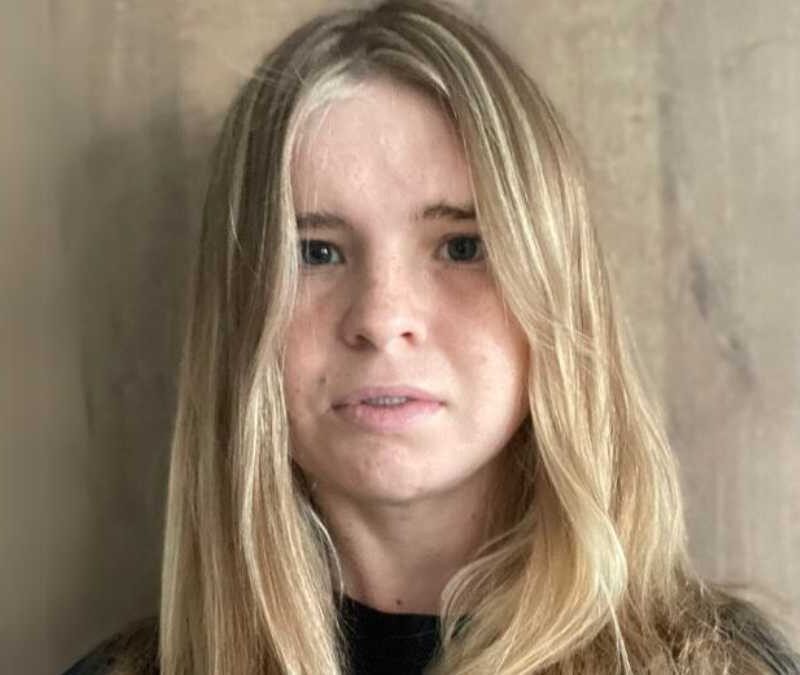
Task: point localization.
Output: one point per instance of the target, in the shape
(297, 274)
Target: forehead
(383, 139)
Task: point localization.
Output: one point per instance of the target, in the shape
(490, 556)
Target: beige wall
(687, 112)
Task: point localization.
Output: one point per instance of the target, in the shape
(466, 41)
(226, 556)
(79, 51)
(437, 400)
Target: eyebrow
(439, 211)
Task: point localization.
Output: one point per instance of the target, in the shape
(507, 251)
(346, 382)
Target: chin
(397, 492)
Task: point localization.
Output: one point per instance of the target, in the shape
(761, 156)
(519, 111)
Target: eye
(315, 252)
(461, 248)
(464, 248)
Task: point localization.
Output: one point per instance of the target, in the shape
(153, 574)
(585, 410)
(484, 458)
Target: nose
(386, 309)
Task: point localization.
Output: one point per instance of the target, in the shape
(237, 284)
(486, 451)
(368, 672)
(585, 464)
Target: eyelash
(305, 245)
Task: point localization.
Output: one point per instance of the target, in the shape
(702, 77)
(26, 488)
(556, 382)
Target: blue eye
(463, 248)
(315, 252)
(460, 249)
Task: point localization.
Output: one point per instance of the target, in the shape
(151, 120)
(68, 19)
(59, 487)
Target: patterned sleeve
(749, 625)
(97, 662)
(135, 648)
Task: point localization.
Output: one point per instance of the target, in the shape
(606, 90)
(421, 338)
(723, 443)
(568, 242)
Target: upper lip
(359, 395)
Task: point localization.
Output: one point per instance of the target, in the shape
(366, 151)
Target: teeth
(386, 400)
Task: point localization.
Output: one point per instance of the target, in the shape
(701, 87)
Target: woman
(409, 434)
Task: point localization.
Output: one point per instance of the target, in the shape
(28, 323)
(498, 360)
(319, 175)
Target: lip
(392, 419)
(355, 398)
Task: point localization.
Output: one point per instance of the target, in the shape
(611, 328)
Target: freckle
(399, 602)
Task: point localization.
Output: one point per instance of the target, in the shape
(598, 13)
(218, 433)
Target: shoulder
(744, 623)
(133, 650)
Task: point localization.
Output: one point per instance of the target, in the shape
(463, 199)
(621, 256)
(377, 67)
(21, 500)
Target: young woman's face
(395, 291)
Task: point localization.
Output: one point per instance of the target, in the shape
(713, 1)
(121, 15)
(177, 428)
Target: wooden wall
(687, 113)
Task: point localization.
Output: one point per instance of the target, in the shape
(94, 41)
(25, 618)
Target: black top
(379, 643)
(388, 644)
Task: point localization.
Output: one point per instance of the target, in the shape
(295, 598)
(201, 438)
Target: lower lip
(388, 419)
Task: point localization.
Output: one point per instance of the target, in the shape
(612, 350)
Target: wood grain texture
(687, 116)
(730, 200)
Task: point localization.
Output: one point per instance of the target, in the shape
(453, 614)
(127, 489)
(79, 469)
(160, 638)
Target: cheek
(307, 364)
(305, 333)
(299, 364)
(516, 353)
(497, 344)
(487, 316)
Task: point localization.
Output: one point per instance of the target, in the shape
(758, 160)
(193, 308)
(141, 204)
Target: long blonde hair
(585, 569)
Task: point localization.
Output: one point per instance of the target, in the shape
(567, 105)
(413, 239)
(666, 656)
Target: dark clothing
(388, 644)
(379, 643)
(96, 662)
(138, 640)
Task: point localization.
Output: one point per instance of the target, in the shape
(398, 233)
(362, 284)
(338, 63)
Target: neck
(398, 557)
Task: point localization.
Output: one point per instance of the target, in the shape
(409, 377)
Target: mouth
(387, 396)
(388, 402)
(388, 417)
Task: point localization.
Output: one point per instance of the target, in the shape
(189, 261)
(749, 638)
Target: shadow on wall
(130, 207)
